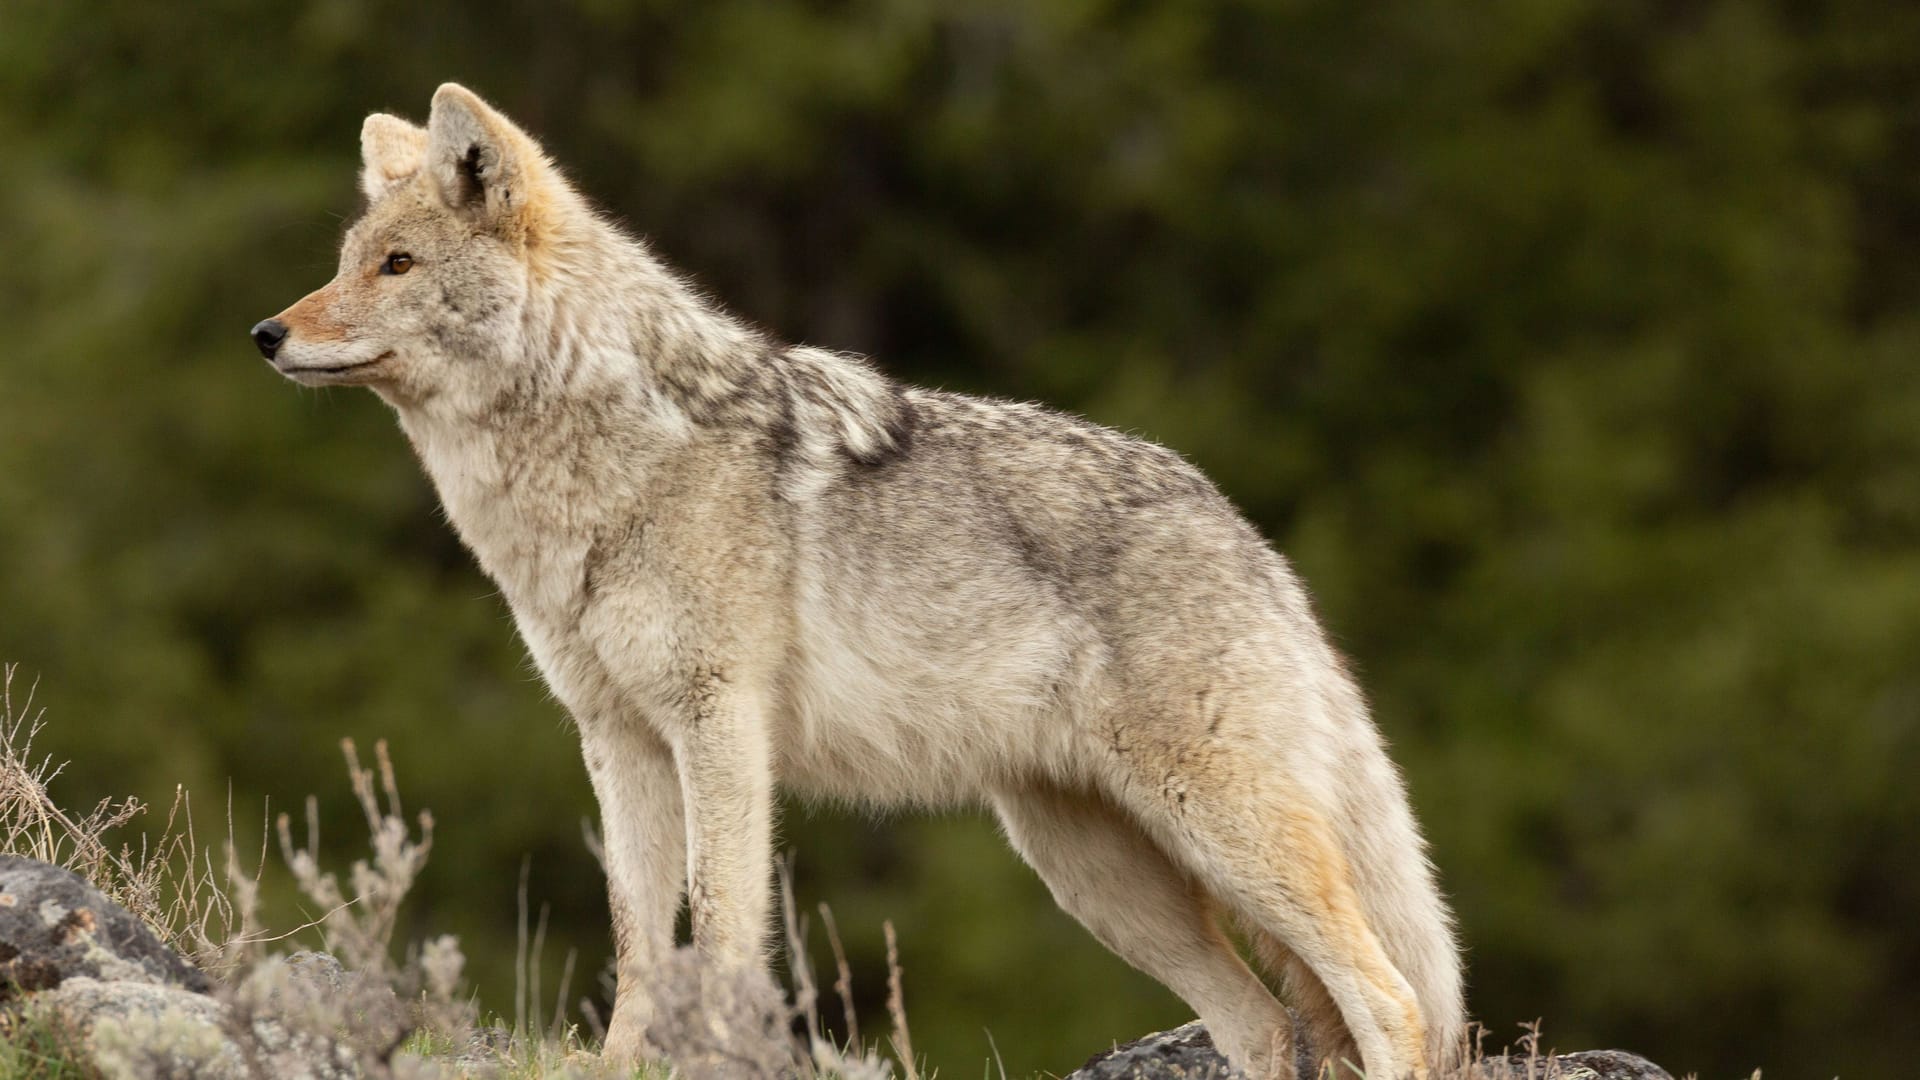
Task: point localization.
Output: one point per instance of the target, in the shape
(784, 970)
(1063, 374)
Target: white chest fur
(527, 522)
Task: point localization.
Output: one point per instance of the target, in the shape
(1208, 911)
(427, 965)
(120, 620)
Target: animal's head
(435, 277)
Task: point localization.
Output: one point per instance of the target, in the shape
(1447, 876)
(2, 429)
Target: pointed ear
(481, 163)
(391, 150)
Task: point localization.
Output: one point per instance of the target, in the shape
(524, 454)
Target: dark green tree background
(1568, 347)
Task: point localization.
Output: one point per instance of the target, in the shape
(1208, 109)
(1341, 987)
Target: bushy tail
(1402, 902)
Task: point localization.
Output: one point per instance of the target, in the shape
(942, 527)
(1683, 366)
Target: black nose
(268, 335)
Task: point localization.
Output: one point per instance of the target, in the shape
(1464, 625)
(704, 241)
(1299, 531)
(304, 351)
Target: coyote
(745, 565)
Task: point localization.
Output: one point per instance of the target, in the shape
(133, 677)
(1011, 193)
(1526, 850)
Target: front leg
(726, 784)
(644, 833)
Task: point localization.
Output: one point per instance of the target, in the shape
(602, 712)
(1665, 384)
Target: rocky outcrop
(137, 1029)
(54, 926)
(81, 970)
(1187, 1053)
(1584, 1065)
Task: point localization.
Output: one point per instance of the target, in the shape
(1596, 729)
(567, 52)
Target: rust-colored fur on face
(743, 565)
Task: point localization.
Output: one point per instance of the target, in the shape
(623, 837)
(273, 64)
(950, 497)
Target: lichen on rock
(54, 926)
(1187, 1053)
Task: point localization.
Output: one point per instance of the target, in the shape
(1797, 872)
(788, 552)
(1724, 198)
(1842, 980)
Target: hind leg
(1331, 1044)
(1264, 852)
(1106, 873)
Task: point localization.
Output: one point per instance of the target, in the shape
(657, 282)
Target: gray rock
(318, 971)
(1584, 1065)
(54, 926)
(136, 1029)
(313, 992)
(147, 1030)
(1187, 1053)
(122, 1004)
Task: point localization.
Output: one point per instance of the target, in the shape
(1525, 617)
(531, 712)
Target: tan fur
(314, 318)
(745, 566)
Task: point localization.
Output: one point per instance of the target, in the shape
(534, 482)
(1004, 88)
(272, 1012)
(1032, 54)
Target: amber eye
(397, 263)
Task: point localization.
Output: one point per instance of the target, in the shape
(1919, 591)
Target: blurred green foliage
(1568, 347)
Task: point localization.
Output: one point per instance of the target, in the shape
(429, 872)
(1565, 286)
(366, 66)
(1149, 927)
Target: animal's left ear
(481, 163)
(391, 151)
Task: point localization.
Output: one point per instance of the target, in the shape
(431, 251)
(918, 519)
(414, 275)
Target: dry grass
(170, 883)
(391, 1009)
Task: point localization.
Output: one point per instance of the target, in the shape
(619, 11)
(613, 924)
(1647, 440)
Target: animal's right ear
(391, 152)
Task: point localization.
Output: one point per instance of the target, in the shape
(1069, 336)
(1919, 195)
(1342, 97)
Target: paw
(1265, 1055)
(627, 1044)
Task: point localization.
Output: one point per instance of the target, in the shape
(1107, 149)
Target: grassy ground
(410, 1017)
(33, 1049)
(404, 1007)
